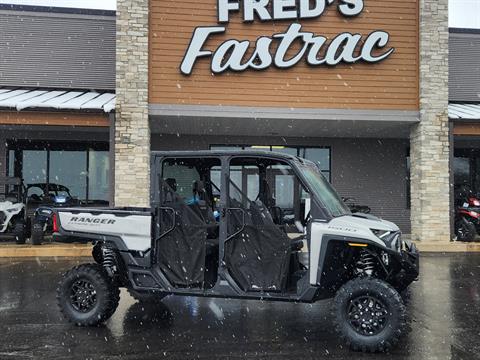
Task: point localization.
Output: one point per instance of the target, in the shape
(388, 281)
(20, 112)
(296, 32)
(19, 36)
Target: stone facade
(430, 148)
(132, 131)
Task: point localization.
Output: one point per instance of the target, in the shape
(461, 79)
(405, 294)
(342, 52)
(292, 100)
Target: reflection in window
(321, 156)
(461, 170)
(11, 163)
(246, 183)
(34, 166)
(98, 178)
(69, 167)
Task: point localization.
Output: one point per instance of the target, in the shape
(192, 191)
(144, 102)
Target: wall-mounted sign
(272, 50)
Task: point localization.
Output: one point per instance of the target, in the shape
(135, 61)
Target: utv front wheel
(20, 232)
(87, 296)
(369, 314)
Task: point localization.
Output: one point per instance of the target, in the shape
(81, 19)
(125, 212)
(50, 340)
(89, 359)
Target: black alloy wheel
(83, 297)
(367, 315)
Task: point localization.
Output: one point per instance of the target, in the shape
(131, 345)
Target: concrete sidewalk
(81, 250)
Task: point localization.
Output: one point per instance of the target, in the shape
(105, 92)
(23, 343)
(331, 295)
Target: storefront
(359, 87)
(56, 96)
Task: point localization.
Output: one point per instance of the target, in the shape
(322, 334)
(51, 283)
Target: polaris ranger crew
(247, 225)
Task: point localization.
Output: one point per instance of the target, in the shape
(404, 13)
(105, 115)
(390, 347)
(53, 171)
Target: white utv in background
(13, 220)
(248, 225)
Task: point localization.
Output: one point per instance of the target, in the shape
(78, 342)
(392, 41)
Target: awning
(464, 111)
(21, 99)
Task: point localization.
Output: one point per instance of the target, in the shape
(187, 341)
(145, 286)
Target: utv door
(187, 229)
(258, 248)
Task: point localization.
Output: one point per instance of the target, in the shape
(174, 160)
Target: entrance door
(260, 219)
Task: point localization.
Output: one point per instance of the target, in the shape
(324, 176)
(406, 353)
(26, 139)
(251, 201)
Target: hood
(374, 222)
(4, 205)
(361, 226)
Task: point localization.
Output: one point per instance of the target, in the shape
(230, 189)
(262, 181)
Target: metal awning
(21, 99)
(464, 111)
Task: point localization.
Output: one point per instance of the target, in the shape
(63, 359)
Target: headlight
(12, 210)
(380, 233)
(392, 239)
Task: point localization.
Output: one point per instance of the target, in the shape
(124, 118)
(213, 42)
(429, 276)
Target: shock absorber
(109, 260)
(366, 263)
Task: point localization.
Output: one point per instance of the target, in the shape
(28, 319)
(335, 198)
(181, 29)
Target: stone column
(430, 176)
(132, 131)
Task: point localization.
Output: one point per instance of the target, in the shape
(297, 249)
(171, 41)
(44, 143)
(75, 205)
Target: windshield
(323, 190)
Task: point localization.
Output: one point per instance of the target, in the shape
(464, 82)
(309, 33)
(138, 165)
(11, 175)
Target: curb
(452, 247)
(80, 250)
(47, 250)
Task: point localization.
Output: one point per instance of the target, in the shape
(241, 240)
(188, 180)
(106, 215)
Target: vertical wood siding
(391, 84)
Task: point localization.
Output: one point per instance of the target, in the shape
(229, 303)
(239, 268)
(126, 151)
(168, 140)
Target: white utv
(12, 209)
(247, 225)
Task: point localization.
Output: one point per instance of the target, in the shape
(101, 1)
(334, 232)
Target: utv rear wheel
(369, 314)
(37, 233)
(20, 232)
(87, 296)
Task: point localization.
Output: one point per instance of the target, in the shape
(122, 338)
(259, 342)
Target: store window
(61, 171)
(321, 156)
(81, 167)
(466, 170)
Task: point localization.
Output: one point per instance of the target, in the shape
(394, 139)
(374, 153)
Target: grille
(3, 216)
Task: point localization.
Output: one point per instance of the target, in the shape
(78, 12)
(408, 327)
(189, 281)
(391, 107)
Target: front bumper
(409, 264)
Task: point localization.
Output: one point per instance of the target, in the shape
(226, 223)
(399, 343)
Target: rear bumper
(66, 239)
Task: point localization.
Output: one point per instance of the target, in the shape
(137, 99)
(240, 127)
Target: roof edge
(453, 30)
(57, 10)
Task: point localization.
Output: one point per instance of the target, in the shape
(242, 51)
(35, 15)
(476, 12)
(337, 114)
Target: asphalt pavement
(444, 308)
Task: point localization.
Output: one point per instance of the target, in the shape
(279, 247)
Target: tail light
(55, 223)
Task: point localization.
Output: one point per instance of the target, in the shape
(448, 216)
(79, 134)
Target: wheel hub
(83, 296)
(367, 315)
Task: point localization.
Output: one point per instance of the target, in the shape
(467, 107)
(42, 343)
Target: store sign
(272, 50)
